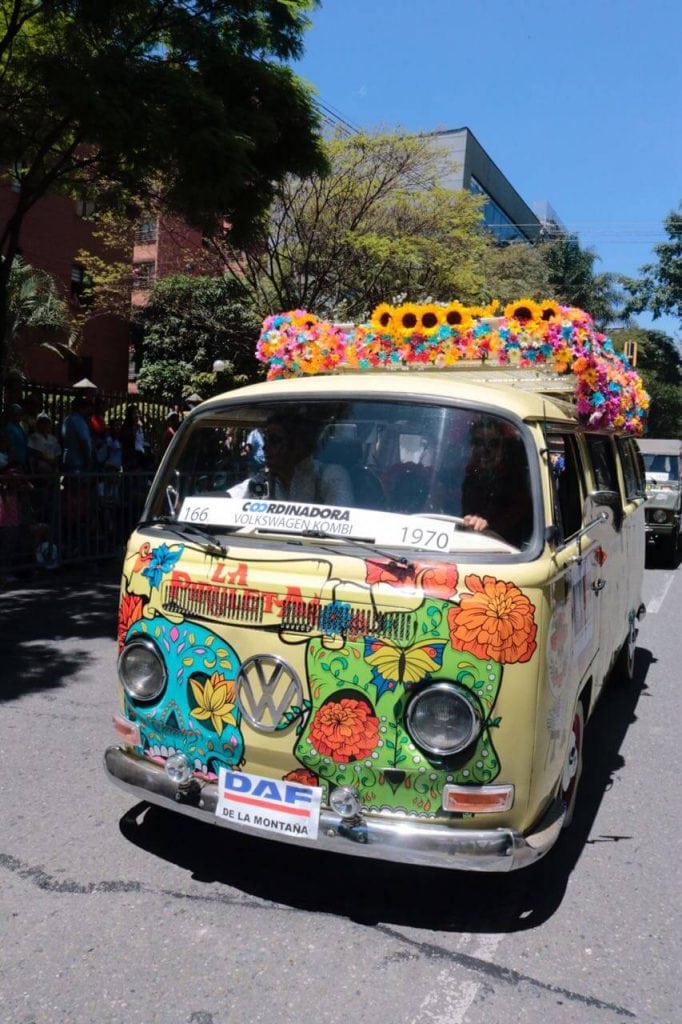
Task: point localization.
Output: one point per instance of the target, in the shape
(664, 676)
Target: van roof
(524, 398)
(660, 446)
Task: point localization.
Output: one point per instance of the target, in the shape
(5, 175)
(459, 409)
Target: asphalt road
(115, 913)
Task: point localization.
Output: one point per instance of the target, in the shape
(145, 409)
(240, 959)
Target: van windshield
(383, 471)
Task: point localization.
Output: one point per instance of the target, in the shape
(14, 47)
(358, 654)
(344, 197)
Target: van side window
(566, 484)
(603, 462)
(633, 485)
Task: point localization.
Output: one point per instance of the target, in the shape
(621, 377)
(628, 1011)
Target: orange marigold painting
(129, 612)
(494, 621)
(303, 776)
(438, 580)
(345, 729)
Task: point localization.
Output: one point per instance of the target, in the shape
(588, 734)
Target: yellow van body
(301, 684)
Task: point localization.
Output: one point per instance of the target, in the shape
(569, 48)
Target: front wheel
(573, 764)
(624, 667)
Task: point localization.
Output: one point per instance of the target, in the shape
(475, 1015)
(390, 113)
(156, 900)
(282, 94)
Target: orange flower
(129, 612)
(345, 729)
(438, 580)
(303, 776)
(495, 621)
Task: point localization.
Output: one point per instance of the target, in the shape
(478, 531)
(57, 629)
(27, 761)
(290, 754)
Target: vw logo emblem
(266, 688)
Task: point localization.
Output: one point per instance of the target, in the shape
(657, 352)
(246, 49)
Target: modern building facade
(506, 214)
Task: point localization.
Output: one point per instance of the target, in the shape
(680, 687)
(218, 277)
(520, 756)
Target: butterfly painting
(392, 664)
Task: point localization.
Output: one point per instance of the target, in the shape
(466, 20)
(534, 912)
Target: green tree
(35, 312)
(516, 270)
(660, 287)
(660, 365)
(572, 279)
(188, 324)
(378, 225)
(145, 102)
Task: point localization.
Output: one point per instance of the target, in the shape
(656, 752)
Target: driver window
(566, 484)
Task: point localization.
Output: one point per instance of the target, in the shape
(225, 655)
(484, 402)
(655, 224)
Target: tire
(573, 764)
(623, 673)
(673, 550)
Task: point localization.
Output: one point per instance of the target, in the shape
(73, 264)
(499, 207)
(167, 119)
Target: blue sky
(576, 101)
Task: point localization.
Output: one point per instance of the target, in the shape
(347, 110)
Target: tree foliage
(660, 366)
(660, 287)
(379, 224)
(188, 324)
(35, 311)
(144, 102)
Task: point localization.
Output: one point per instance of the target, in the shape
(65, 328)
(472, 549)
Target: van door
(611, 555)
(580, 583)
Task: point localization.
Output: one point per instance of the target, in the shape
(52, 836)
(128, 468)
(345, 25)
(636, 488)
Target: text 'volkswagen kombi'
(373, 600)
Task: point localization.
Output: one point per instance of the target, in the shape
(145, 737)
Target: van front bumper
(403, 841)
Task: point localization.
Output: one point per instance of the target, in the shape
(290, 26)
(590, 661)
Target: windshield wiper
(369, 543)
(212, 545)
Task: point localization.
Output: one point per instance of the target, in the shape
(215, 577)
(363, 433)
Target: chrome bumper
(404, 841)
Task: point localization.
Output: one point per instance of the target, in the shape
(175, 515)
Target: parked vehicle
(663, 511)
(385, 641)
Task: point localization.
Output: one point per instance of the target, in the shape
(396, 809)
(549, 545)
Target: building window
(81, 285)
(496, 220)
(143, 274)
(145, 232)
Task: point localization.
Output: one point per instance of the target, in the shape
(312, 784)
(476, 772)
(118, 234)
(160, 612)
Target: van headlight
(660, 515)
(443, 719)
(141, 669)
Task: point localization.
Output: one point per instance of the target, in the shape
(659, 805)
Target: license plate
(277, 806)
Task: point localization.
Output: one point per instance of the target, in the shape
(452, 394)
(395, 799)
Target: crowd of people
(76, 483)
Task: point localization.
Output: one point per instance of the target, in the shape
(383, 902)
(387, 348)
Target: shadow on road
(371, 891)
(78, 604)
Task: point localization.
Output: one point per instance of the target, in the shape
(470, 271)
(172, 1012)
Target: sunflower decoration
(522, 310)
(302, 320)
(457, 316)
(406, 319)
(549, 310)
(383, 319)
(484, 312)
(430, 319)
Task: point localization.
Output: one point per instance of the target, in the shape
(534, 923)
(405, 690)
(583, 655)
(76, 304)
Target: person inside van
(496, 487)
(291, 471)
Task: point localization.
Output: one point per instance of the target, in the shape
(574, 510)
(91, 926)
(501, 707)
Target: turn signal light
(477, 799)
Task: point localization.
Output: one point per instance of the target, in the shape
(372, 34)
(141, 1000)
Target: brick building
(52, 234)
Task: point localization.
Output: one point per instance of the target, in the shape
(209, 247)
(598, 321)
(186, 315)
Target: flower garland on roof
(563, 339)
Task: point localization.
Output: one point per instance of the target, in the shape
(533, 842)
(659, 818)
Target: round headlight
(141, 669)
(660, 515)
(442, 720)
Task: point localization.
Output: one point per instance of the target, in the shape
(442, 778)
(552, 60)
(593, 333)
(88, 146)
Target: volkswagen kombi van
(663, 470)
(373, 600)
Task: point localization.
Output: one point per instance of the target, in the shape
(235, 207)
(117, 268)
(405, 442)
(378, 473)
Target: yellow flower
(430, 318)
(302, 319)
(407, 318)
(483, 312)
(457, 316)
(522, 310)
(216, 700)
(383, 318)
(549, 310)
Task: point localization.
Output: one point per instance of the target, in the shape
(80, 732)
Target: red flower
(384, 570)
(438, 580)
(345, 730)
(130, 611)
(303, 776)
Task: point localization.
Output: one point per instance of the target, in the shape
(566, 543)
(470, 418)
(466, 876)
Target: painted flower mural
(496, 621)
(215, 701)
(345, 729)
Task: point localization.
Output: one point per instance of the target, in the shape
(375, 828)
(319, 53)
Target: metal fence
(47, 520)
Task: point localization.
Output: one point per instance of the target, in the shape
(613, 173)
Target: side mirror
(610, 500)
